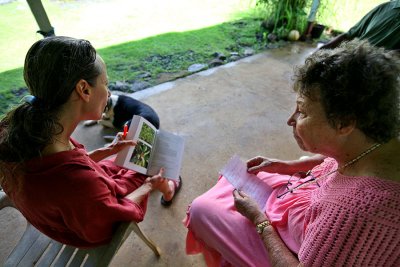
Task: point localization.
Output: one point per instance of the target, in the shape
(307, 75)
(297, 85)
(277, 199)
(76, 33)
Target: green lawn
(135, 37)
(107, 23)
(132, 36)
(170, 53)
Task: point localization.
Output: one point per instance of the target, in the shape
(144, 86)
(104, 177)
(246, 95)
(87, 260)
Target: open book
(235, 171)
(154, 149)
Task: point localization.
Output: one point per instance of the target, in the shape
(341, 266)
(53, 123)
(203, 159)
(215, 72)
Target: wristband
(261, 226)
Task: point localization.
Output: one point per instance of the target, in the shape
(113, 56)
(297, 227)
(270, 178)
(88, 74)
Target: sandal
(178, 186)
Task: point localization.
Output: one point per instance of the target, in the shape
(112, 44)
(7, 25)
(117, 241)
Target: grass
(153, 37)
(175, 52)
(169, 53)
(106, 23)
(157, 37)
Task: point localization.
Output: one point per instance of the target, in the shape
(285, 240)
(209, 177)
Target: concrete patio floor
(239, 108)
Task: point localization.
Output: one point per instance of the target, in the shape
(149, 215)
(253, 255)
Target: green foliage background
(338, 14)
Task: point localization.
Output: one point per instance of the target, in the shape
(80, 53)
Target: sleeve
(126, 180)
(96, 205)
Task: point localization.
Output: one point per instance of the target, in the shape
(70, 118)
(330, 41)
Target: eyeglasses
(296, 181)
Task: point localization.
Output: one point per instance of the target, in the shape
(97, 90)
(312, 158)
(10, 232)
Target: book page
(137, 158)
(235, 171)
(168, 152)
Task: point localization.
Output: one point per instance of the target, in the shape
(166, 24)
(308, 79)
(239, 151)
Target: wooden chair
(36, 249)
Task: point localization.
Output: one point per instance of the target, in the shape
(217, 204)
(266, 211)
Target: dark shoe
(178, 186)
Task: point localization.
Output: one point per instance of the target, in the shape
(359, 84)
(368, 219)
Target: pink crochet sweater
(353, 222)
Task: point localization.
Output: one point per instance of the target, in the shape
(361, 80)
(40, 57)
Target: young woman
(70, 195)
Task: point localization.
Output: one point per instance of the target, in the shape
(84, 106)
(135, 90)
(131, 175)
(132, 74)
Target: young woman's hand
(116, 146)
(157, 181)
(119, 143)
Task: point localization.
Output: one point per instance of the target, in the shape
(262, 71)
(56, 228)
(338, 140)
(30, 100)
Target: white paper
(235, 171)
(168, 153)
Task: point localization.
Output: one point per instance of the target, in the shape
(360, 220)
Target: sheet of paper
(235, 171)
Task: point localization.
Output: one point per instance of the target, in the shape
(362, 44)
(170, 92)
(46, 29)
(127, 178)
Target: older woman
(346, 207)
(70, 195)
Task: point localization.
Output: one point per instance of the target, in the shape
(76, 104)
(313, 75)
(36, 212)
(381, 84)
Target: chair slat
(35, 251)
(95, 256)
(51, 253)
(78, 259)
(27, 240)
(64, 256)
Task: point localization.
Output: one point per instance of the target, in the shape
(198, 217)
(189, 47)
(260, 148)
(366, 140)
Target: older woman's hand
(259, 163)
(248, 207)
(287, 167)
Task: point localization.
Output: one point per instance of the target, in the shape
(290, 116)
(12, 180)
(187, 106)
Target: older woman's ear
(346, 128)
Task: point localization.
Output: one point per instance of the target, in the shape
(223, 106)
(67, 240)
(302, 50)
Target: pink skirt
(226, 238)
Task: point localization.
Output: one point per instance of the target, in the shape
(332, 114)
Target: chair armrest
(5, 201)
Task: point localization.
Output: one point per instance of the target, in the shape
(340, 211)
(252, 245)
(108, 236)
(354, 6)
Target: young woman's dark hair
(53, 66)
(360, 85)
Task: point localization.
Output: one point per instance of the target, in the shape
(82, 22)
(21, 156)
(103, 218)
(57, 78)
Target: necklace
(315, 180)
